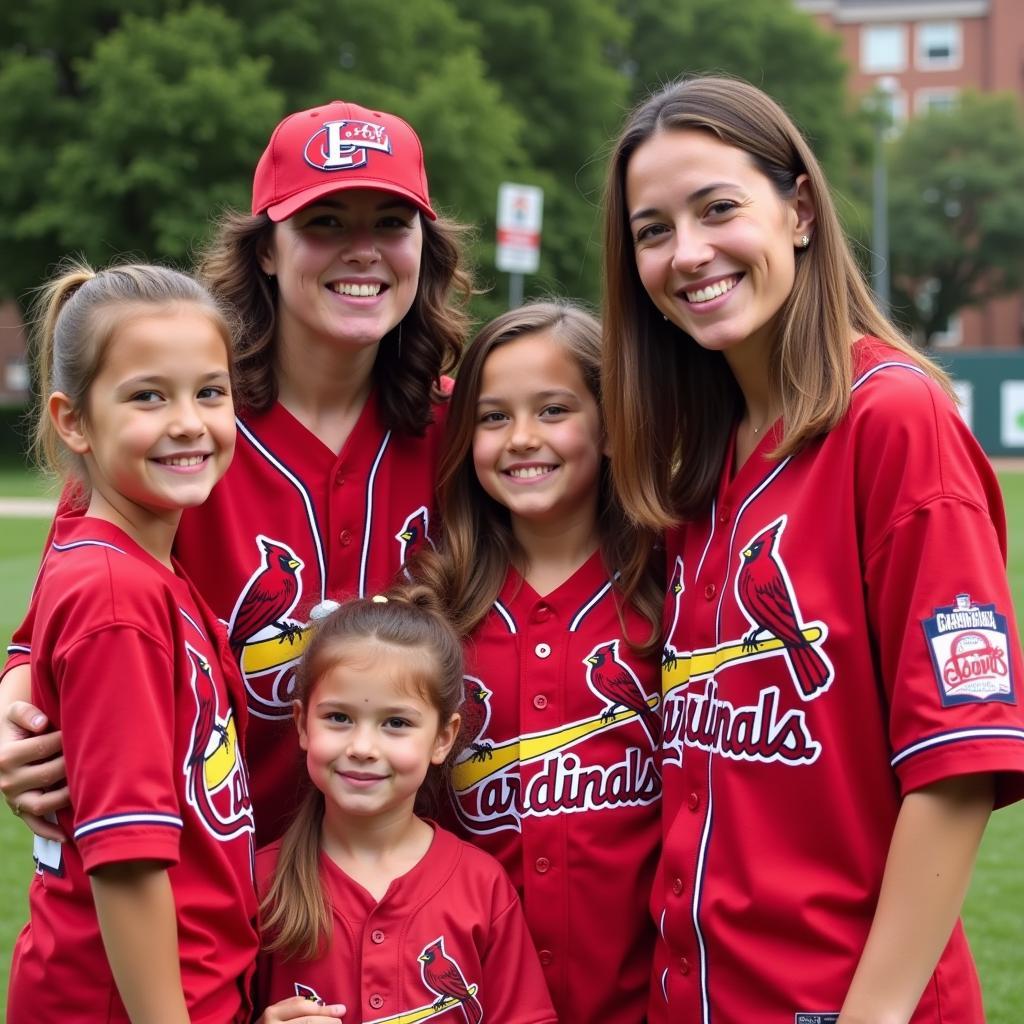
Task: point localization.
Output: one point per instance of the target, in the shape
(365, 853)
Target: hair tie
(379, 599)
(323, 609)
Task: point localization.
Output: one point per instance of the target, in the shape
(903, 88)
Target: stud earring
(805, 240)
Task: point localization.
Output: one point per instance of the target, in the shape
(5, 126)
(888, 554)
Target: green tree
(770, 44)
(128, 148)
(127, 126)
(956, 210)
(556, 65)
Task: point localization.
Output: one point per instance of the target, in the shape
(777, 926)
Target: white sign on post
(519, 218)
(1011, 396)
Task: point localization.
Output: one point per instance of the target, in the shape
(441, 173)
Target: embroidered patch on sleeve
(970, 650)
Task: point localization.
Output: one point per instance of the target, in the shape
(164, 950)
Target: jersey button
(345, 537)
(376, 1000)
(709, 591)
(377, 936)
(542, 650)
(540, 702)
(723, 515)
(542, 865)
(684, 965)
(541, 613)
(677, 886)
(546, 957)
(693, 801)
(339, 479)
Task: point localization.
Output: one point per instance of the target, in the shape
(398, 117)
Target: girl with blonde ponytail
(128, 663)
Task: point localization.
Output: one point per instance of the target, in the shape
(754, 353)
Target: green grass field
(993, 914)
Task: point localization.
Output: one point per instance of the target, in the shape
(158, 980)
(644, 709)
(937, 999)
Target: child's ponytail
(47, 450)
(294, 915)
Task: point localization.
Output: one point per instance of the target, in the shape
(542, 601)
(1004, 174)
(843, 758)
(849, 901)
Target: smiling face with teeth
(715, 242)
(158, 430)
(538, 442)
(347, 268)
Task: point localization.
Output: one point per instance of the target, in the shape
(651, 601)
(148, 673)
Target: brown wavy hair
(407, 375)
(669, 403)
(477, 544)
(295, 917)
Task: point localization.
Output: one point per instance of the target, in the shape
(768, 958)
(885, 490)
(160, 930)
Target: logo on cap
(343, 145)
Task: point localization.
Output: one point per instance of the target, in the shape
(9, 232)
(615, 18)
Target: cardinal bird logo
(613, 680)
(442, 975)
(414, 534)
(307, 992)
(476, 713)
(209, 733)
(669, 655)
(271, 593)
(766, 596)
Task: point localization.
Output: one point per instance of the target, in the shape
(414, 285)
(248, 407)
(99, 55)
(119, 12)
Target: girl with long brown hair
(841, 663)
(555, 769)
(365, 903)
(348, 286)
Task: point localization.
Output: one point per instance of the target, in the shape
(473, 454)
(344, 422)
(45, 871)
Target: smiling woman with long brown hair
(840, 666)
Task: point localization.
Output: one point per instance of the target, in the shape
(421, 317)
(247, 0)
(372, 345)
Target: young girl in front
(366, 904)
(556, 772)
(147, 912)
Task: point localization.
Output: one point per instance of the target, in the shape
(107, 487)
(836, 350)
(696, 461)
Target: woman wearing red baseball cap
(344, 279)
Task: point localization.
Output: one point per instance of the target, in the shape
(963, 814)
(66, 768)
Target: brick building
(922, 53)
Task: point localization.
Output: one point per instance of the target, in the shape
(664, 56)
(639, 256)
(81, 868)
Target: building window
(927, 101)
(883, 48)
(939, 46)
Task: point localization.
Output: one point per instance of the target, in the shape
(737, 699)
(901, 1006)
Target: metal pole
(880, 219)
(515, 290)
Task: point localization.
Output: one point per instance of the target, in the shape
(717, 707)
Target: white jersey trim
(192, 622)
(507, 616)
(307, 501)
(868, 374)
(87, 544)
(589, 606)
(120, 820)
(957, 736)
(368, 522)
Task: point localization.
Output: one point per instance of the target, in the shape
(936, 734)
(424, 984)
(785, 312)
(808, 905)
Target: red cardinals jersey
(291, 523)
(447, 938)
(557, 778)
(840, 634)
(133, 667)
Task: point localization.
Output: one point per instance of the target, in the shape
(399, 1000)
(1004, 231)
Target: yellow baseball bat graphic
(218, 765)
(702, 663)
(467, 774)
(272, 653)
(411, 1016)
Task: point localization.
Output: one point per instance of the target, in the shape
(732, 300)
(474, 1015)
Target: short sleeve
(117, 714)
(938, 600)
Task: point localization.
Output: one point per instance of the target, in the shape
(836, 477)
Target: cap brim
(284, 209)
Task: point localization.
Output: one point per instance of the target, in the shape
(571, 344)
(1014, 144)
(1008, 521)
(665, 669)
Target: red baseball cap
(334, 147)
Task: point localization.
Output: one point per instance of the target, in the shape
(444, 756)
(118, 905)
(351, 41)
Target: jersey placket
(542, 707)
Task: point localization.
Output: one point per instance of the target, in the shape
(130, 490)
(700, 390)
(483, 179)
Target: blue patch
(970, 651)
